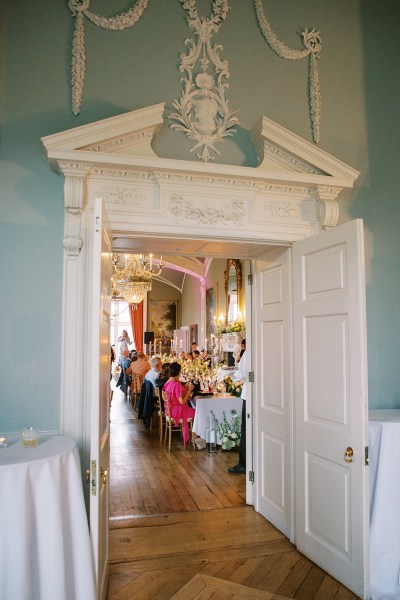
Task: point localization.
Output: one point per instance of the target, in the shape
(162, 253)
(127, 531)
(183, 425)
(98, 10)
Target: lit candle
(151, 261)
(3, 441)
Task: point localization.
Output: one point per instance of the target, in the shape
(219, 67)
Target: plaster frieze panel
(285, 210)
(120, 195)
(279, 208)
(74, 189)
(234, 211)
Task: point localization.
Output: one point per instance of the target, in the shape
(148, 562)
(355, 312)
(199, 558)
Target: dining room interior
(179, 522)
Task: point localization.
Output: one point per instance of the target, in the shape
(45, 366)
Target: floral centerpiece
(198, 373)
(228, 432)
(233, 327)
(234, 388)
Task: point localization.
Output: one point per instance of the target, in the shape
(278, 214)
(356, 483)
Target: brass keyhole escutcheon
(348, 455)
(103, 475)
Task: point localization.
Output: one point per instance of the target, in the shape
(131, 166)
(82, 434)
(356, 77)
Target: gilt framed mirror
(233, 288)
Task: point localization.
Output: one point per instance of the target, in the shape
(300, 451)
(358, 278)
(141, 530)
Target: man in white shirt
(242, 375)
(154, 373)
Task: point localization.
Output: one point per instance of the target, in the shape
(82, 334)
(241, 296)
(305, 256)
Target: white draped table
(45, 550)
(219, 405)
(384, 475)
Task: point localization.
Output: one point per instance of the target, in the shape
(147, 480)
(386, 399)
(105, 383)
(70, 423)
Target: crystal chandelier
(132, 283)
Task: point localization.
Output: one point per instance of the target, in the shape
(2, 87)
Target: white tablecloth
(384, 474)
(218, 405)
(45, 551)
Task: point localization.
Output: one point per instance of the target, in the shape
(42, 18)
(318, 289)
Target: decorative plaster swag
(312, 42)
(79, 8)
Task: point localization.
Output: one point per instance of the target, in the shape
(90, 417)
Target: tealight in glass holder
(30, 437)
(3, 441)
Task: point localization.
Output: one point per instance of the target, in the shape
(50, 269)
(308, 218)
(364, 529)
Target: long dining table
(219, 405)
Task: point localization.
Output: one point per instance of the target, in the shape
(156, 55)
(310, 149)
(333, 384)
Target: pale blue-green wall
(359, 72)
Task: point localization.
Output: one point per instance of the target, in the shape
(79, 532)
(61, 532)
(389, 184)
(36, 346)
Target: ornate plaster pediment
(291, 194)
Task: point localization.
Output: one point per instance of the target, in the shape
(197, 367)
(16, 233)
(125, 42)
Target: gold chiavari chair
(171, 425)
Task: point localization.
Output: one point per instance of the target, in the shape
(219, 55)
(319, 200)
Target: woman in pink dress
(179, 395)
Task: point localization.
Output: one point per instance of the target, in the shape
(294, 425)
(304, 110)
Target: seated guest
(206, 358)
(179, 395)
(124, 360)
(196, 354)
(163, 375)
(182, 355)
(148, 394)
(154, 373)
(124, 380)
(140, 366)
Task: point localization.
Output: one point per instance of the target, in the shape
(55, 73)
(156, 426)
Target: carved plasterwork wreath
(206, 215)
(79, 9)
(202, 112)
(312, 43)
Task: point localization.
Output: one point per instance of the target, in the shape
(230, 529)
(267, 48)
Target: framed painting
(162, 317)
(194, 334)
(211, 310)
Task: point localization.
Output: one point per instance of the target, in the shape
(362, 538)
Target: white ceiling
(186, 255)
(200, 248)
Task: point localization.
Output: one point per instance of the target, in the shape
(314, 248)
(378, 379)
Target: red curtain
(136, 315)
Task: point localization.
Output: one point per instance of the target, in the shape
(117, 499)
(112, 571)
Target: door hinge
(93, 487)
(250, 279)
(251, 376)
(251, 476)
(366, 457)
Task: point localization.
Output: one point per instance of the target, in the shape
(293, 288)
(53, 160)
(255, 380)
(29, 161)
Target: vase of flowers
(228, 431)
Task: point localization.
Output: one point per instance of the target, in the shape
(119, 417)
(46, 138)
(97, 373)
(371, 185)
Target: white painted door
(272, 398)
(331, 404)
(100, 393)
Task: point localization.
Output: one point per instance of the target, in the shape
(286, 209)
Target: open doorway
(221, 489)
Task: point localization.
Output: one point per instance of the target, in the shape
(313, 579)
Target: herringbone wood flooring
(178, 521)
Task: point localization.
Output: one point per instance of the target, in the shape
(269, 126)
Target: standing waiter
(242, 374)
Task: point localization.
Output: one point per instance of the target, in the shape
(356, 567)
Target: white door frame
(291, 194)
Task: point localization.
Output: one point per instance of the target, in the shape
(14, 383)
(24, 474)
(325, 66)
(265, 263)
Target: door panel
(331, 405)
(273, 389)
(100, 305)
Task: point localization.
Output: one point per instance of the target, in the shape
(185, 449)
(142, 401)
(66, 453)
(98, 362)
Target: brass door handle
(103, 475)
(348, 455)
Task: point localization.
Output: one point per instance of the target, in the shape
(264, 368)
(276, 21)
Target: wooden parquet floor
(180, 528)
